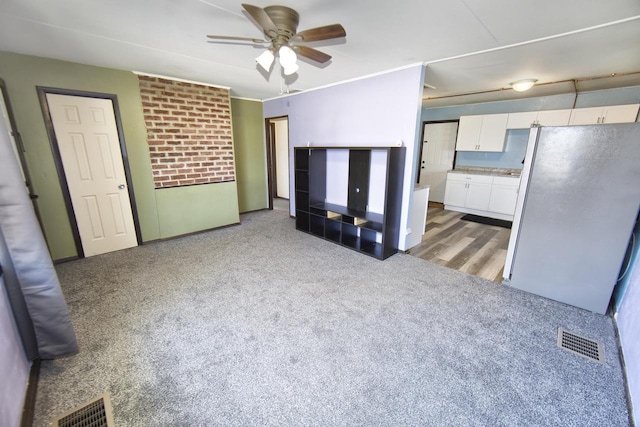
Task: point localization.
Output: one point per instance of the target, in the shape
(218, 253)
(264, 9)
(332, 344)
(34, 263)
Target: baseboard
(632, 421)
(192, 233)
(63, 260)
(29, 407)
(255, 210)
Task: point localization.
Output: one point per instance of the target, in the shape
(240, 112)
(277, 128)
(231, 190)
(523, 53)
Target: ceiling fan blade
(261, 17)
(248, 39)
(311, 53)
(320, 33)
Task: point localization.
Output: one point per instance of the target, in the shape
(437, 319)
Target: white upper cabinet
(554, 117)
(488, 132)
(469, 133)
(600, 115)
(542, 118)
(522, 120)
(482, 133)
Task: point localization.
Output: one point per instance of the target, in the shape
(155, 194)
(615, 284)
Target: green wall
(22, 74)
(250, 154)
(162, 213)
(183, 210)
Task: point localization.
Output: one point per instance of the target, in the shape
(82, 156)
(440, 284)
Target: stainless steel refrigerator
(577, 205)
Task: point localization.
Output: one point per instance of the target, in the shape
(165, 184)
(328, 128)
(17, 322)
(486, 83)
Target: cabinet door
(478, 195)
(522, 120)
(493, 132)
(469, 133)
(585, 116)
(455, 193)
(553, 117)
(620, 114)
(503, 199)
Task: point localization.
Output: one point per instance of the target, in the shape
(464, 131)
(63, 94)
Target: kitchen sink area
(488, 192)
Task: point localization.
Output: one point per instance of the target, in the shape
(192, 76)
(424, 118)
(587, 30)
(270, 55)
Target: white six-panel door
(89, 146)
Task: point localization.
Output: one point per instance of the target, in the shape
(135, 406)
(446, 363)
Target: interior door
(438, 149)
(281, 133)
(89, 146)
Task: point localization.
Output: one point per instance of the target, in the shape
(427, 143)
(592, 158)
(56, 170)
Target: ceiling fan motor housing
(286, 21)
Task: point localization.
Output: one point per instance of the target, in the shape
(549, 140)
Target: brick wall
(188, 132)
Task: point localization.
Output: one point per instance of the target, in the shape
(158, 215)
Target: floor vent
(581, 346)
(95, 413)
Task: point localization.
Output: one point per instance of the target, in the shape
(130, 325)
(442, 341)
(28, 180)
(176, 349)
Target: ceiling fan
(280, 27)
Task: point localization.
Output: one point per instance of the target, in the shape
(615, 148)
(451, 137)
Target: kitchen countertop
(487, 171)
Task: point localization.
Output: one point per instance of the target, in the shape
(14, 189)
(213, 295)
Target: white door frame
(42, 95)
(271, 157)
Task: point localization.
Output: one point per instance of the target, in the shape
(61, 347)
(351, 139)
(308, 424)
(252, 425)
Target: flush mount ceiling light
(523, 85)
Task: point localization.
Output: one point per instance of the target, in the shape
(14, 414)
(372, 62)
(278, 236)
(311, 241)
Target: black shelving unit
(374, 234)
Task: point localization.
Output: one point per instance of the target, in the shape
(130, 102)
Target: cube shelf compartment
(351, 225)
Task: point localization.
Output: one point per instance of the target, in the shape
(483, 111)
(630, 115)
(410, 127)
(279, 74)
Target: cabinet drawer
(454, 176)
(506, 181)
(479, 179)
(465, 177)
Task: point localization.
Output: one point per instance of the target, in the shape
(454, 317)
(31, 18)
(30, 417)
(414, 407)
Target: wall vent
(580, 345)
(95, 413)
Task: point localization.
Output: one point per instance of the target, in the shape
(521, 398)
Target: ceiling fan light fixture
(290, 69)
(288, 57)
(523, 85)
(265, 60)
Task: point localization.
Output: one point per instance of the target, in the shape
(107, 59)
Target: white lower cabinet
(485, 195)
(504, 193)
(478, 194)
(455, 192)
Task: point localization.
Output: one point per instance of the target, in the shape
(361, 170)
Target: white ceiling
(469, 45)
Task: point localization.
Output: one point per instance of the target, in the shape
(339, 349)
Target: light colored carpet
(260, 324)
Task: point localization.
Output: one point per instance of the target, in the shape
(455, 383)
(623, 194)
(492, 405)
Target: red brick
(189, 132)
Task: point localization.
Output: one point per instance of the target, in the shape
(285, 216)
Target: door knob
(121, 186)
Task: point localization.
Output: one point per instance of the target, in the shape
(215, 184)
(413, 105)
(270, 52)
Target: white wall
(380, 109)
(14, 366)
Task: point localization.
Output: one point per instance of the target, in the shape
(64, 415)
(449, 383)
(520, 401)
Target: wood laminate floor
(467, 246)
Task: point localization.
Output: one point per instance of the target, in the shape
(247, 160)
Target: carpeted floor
(260, 324)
